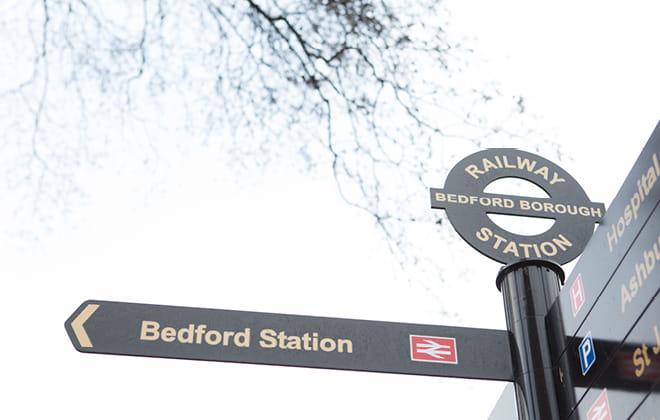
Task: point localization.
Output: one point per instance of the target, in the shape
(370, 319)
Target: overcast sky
(589, 70)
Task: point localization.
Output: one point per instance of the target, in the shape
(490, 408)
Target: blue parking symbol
(587, 353)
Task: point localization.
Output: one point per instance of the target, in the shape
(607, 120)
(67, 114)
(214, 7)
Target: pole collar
(504, 271)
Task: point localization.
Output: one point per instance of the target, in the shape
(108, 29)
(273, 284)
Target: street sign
(625, 218)
(603, 323)
(613, 319)
(289, 340)
(628, 370)
(468, 206)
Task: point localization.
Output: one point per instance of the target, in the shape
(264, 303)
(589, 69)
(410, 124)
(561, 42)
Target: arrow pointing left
(78, 325)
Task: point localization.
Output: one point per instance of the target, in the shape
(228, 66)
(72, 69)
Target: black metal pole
(529, 288)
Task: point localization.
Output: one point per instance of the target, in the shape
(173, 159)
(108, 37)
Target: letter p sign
(587, 353)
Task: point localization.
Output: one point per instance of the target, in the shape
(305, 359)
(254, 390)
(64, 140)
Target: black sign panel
(625, 218)
(289, 340)
(468, 206)
(630, 290)
(631, 366)
(605, 320)
(631, 369)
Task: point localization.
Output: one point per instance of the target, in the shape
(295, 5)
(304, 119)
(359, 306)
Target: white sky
(588, 68)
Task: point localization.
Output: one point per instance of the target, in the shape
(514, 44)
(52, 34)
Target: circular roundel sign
(468, 207)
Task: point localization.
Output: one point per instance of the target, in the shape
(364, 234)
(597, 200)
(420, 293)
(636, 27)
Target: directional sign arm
(288, 340)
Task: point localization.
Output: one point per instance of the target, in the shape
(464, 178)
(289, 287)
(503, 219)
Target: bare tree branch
(369, 91)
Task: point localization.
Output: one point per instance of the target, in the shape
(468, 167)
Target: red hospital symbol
(433, 349)
(600, 409)
(577, 294)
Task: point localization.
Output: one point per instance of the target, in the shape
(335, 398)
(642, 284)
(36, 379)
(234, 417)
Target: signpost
(530, 282)
(289, 340)
(591, 351)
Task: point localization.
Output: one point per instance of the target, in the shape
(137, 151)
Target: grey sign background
(114, 328)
